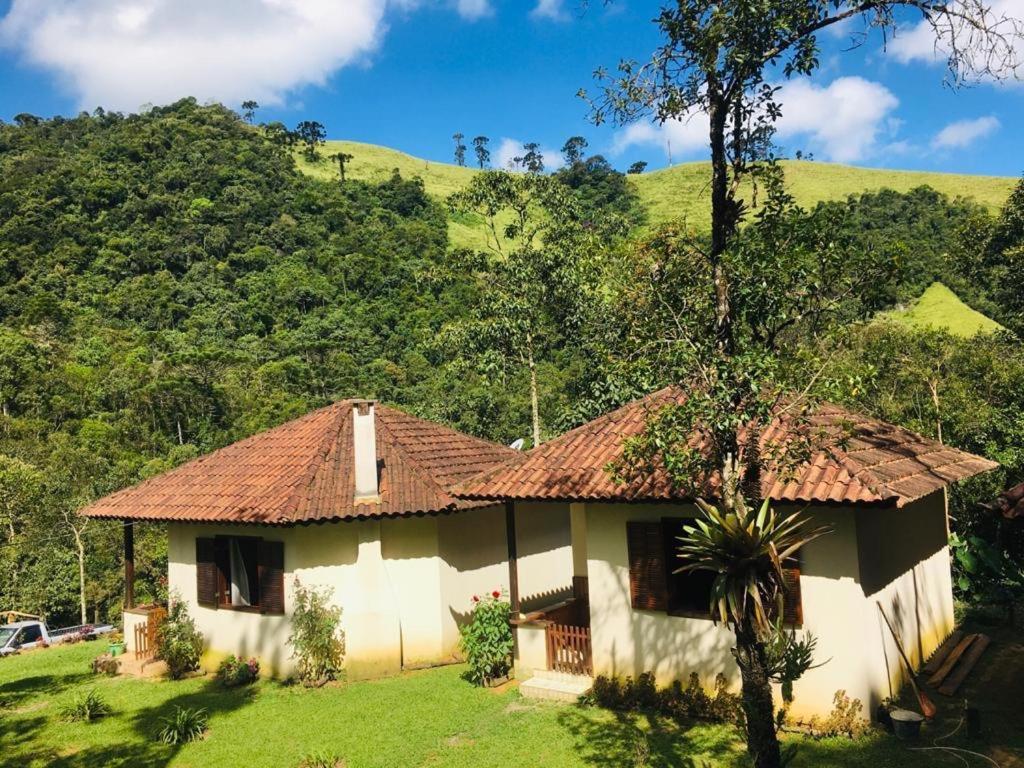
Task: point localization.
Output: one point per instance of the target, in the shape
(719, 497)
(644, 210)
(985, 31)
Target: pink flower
(496, 594)
(476, 598)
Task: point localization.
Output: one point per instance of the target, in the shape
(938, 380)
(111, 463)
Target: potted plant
(115, 646)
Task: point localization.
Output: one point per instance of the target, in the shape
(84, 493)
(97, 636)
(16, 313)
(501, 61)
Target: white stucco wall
(894, 556)
(404, 584)
(544, 550)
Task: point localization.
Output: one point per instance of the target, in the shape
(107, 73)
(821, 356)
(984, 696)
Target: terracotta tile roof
(870, 462)
(302, 471)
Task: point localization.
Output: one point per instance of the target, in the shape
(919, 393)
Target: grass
(679, 191)
(427, 718)
(942, 309)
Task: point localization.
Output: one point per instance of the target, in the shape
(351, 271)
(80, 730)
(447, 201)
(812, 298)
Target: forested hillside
(172, 281)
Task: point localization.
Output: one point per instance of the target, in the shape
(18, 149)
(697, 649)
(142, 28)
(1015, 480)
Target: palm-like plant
(746, 548)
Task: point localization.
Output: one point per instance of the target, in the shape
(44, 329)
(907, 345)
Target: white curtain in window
(239, 576)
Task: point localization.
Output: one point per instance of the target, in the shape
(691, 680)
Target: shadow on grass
(139, 746)
(622, 740)
(16, 693)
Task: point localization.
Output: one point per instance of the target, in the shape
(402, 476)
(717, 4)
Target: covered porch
(552, 636)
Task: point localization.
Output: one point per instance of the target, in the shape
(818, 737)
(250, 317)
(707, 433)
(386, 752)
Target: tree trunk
(757, 701)
(80, 546)
(534, 398)
(723, 220)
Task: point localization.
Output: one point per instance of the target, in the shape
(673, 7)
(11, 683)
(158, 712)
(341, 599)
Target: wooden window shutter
(647, 575)
(792, 605)
(207, 573)
(271, 571)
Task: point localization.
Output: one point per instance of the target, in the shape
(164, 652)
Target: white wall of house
(404, 584)
(897, 557)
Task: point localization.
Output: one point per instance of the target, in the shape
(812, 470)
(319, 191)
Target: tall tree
(638, 167)
(572, 150)
(249, 108)
(483, 154)
(460, 149)
(341, 158)
(532, 159)
(313, 135)
(713, 61)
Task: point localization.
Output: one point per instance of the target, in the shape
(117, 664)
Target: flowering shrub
(487, 639)
(178, 641)
(317, 639)
(233, 671)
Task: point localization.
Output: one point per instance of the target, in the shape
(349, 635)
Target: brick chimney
(364, 452)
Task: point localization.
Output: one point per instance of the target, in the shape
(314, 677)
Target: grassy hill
(940, 308)
(681, 190)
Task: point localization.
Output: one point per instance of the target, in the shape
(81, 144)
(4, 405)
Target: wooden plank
(951, 660)
(941, 653)
(965, 666)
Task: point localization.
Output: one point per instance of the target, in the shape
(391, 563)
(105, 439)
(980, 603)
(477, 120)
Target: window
(243, 573)
(652, 549)
(688, 593)
(30, 634)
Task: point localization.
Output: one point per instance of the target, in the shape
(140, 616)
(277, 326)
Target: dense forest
(170, 282)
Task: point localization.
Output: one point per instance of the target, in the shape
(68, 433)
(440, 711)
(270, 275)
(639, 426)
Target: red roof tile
(302, 471)
(870, 462)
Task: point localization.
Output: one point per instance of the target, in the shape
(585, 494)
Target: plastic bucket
(906, 724)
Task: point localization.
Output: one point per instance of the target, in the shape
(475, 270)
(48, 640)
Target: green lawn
(940, 308)
(427, 718)
(681, 190)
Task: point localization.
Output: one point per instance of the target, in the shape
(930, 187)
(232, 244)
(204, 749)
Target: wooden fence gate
(569, 649)
(145, 634)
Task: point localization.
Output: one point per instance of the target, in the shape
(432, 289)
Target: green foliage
(746, 549)
(233, 672)
(680, 703)
(318, 644)
(86, 709)
(184, 725)
(179, 643)
(789, 658)
(986, 574)
(487, 639)
(845, 719)
(940, 308)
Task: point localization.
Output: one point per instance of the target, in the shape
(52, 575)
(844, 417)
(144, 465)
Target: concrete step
(556, 686)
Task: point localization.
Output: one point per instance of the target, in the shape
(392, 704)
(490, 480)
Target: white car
(22, 635)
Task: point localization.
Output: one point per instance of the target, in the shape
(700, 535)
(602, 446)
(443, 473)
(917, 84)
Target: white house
(355, 497)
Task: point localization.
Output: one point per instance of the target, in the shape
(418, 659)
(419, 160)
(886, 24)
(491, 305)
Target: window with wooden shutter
(207, 573)
(271, 570)
(792, 606)
(647, 573)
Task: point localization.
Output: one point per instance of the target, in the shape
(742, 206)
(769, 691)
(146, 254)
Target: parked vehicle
(33, 633)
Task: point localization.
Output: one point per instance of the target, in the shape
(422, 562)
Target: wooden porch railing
(145, 634)
(569, 649)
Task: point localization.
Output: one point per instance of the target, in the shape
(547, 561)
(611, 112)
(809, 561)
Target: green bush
(86, 708)
(233, 671)
(317, 640)
(487, 639)
(642, 695)
(183, 726)
(179, 643)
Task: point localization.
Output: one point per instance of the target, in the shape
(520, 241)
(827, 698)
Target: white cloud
(918, 42)
(473, 9)
(963, 133)
(121, 54)
(549, 9)
(511, 148)
(842, 121)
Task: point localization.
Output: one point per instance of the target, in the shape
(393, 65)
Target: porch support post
(129, 564)
(513, 563)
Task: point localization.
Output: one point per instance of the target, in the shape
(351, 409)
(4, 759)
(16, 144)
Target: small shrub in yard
(105, 665)
(183, 726)
(322, 760)
(845, 719)
(487, 639)
(317, 639)
(86, 709)
(180, 644)
(234, 671)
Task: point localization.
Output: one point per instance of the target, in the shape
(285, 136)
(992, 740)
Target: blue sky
(409, 73)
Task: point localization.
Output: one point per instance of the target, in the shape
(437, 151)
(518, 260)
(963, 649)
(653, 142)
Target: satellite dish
(517, 445)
